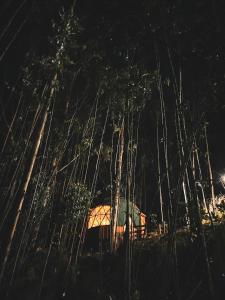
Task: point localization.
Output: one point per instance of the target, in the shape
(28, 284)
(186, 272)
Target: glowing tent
(99, 218)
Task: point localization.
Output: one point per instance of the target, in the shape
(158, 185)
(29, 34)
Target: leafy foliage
(78, 199)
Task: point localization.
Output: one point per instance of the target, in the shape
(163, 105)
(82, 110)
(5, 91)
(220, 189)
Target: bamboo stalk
(159, 173)
(117, 189)
(210, 171)
(24, 188)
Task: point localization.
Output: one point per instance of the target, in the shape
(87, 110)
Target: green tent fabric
(133, 210)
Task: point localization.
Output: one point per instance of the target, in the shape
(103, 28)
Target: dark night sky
(33, 35)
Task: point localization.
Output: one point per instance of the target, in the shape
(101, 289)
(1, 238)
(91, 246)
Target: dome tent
(99, 220)
(100, 215)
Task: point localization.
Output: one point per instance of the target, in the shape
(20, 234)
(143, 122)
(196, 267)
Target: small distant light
(64, 294)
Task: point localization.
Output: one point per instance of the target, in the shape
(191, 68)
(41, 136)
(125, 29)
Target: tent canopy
(100, 215)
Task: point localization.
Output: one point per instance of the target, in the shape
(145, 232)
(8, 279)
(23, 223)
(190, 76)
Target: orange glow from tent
(99, 216)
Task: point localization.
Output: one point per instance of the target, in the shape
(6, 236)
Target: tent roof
(101, 214)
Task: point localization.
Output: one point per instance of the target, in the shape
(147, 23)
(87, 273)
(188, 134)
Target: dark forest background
(107, 99)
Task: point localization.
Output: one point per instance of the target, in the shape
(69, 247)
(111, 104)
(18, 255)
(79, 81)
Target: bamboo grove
(92, 120)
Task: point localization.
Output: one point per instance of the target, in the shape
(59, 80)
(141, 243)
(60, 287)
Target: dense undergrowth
(156, 272)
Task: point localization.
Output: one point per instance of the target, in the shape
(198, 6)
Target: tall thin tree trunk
(198, 166)
(159, 173)
(206, 207)
(204, 247)
(24, 188)
(181, 133)
(165, 140)
(129, 233)
(210, 171)
(117, 189)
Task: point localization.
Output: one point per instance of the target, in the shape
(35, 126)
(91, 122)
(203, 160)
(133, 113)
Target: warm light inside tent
(99, 216)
